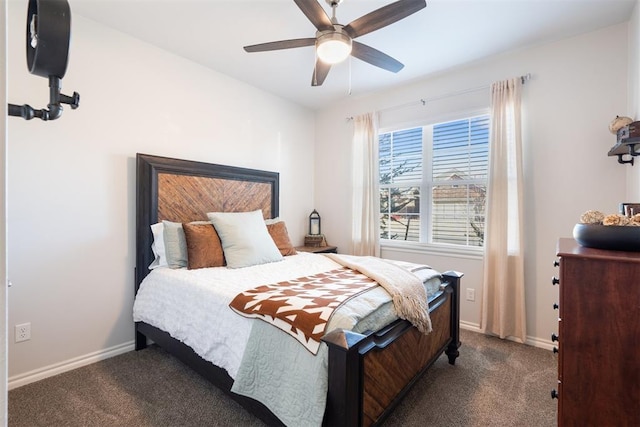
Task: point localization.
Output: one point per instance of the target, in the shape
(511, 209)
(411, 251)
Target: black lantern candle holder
(314, 224)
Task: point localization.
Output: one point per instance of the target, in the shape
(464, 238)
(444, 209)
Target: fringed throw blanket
(302, 307)
(406, 289)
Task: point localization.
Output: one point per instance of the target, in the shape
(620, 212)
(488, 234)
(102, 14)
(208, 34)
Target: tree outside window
(433, 182)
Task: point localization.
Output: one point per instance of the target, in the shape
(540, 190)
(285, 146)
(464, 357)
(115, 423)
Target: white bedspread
(193, 305)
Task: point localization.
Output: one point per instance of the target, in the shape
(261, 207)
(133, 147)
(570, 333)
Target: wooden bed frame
(368, 373)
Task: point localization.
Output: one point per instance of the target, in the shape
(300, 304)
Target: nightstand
(318, 249)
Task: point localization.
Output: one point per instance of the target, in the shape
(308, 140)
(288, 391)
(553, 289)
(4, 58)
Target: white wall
(633, 111)
(3, 238)
(578, 86)
(71, 193)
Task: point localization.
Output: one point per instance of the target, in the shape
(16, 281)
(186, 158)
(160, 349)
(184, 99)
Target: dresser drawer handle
(556, 306)
(555, 349)
(554, 337)
(555, 280)
(556, 263)
(554, 394)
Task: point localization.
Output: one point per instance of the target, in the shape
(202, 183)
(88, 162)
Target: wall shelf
(626, 147)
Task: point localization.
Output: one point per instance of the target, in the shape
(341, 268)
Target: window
(433, 182)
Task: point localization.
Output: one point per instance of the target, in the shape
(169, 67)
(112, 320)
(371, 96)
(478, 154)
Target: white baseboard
(68, 365)
(540, 343)
(532, 341)
(473, 327)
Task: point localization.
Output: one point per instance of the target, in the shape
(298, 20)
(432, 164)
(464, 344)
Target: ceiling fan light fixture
(333, 47)
(333, 41)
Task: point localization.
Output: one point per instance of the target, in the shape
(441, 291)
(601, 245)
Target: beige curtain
(365, 233)
(503, 302)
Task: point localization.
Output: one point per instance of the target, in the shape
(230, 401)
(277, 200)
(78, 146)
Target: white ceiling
(446, 34)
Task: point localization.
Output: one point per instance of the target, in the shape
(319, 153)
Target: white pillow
(157, 246)
(245, 238)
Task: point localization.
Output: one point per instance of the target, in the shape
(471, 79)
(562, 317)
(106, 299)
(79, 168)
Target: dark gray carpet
(494, 383)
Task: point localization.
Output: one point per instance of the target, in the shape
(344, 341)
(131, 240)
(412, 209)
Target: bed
(368, 372)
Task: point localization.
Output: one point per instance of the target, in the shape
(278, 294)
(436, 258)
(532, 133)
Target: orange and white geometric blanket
(302, 307)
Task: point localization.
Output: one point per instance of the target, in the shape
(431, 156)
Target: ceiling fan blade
(282, 44)
(384, 16)
(320, 73)
(375, 57)
(315, 13)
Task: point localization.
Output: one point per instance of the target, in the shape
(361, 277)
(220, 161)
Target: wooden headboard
(183, 191)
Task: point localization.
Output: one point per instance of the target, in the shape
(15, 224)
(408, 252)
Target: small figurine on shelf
(618, 123)
(627, 141)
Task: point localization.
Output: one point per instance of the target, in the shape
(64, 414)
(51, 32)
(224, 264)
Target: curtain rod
(423, 101)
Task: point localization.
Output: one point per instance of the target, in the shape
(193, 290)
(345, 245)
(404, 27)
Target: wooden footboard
(370, 373)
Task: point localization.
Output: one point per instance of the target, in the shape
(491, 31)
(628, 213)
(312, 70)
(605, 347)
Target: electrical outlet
(471, 294)
(23, 332)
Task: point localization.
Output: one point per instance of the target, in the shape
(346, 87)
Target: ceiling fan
(334, 42)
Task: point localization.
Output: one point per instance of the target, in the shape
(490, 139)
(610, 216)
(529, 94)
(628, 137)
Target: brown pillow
(203, 246)
(280, 236)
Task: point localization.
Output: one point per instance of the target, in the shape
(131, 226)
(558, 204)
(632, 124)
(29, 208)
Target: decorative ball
(592, 217)
(618, 123)
(615, 219)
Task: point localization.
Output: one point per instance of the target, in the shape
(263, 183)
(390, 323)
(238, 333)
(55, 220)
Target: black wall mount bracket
(47, 41)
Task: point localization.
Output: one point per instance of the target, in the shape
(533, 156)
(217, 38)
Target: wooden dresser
(598, 336)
